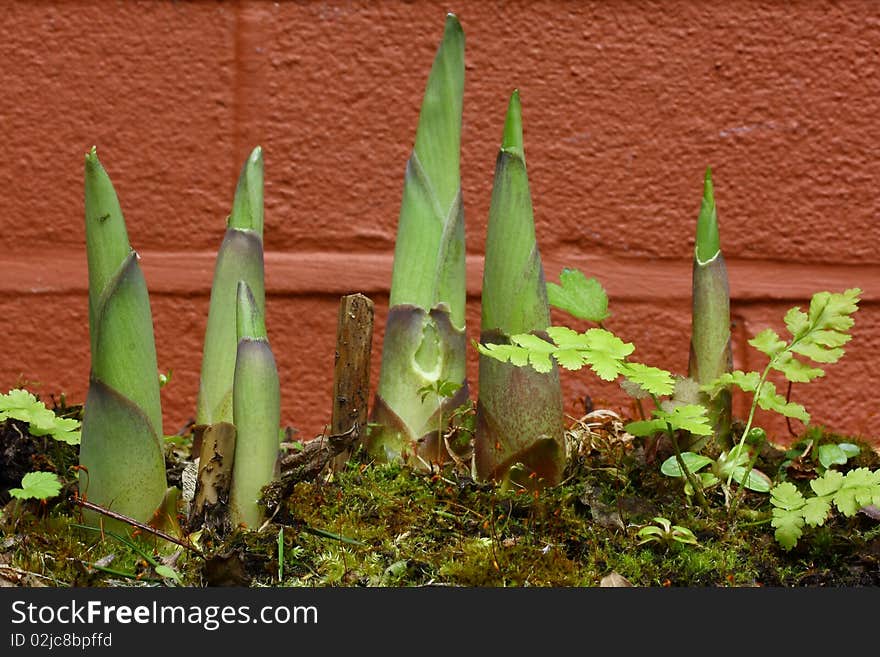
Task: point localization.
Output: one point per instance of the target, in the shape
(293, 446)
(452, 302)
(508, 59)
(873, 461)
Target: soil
(374, 524)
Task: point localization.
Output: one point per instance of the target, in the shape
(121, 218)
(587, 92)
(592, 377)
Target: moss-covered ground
(387, 525)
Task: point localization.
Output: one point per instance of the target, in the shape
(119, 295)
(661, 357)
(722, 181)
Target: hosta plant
(240, 258)
(608, 357)
(425, 330)
(710, 351)
(121, 456)
(256, 411)
(519, 417)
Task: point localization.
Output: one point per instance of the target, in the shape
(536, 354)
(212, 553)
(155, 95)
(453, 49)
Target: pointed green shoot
(708, 243)
(121, 445)
(425, 332)
(240, 257)
(512, 139)
(710, 349)
(520, 412)
(429, 264)
(256, 404)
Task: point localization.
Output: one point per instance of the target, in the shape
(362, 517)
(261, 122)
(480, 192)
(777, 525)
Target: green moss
(385, 525)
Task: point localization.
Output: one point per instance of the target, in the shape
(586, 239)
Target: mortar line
(320, 273)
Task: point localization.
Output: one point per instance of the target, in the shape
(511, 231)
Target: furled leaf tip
(708, 243)
(512, 139)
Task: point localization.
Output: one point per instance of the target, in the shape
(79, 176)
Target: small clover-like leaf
(570, 359)
(538, 349)
(859, 488)
(770, 400)
(651, 379)
(690, 417)
(795, 370)
(37, 485)
(606, 353)
(65, 429)
(827, 484)
(816, 510)
(797, 322)
(786, 496)
(583, 297)
(645, 428)
(817, 352)
(745, 381)
(789, 527)
(768, 342)
(505, 352)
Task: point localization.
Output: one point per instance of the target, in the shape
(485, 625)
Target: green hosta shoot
(425, 331)
(256, 406)
(19, 404)
(710, 351)
(240, 258)
(37, 485)
(519, 418)
(123, 467)
(848, 493)
(817, 335)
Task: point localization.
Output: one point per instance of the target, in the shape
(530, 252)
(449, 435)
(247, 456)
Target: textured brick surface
(624, 105)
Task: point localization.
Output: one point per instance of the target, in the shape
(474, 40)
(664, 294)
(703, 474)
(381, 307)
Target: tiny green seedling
(665, 533)
(19, 404)
(808, 454)
(729, 463)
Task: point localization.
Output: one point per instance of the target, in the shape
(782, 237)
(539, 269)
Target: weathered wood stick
(78, 501)
(351, 374)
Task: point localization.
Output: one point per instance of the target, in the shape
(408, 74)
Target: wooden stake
(351, 374)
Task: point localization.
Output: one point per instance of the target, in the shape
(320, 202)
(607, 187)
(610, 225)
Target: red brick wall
(624, 105)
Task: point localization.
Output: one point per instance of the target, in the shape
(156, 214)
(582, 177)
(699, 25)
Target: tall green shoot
(425, 338)
(256, 406)
(710, 348)
(240, 258)
(519, 417)
(123, 467)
